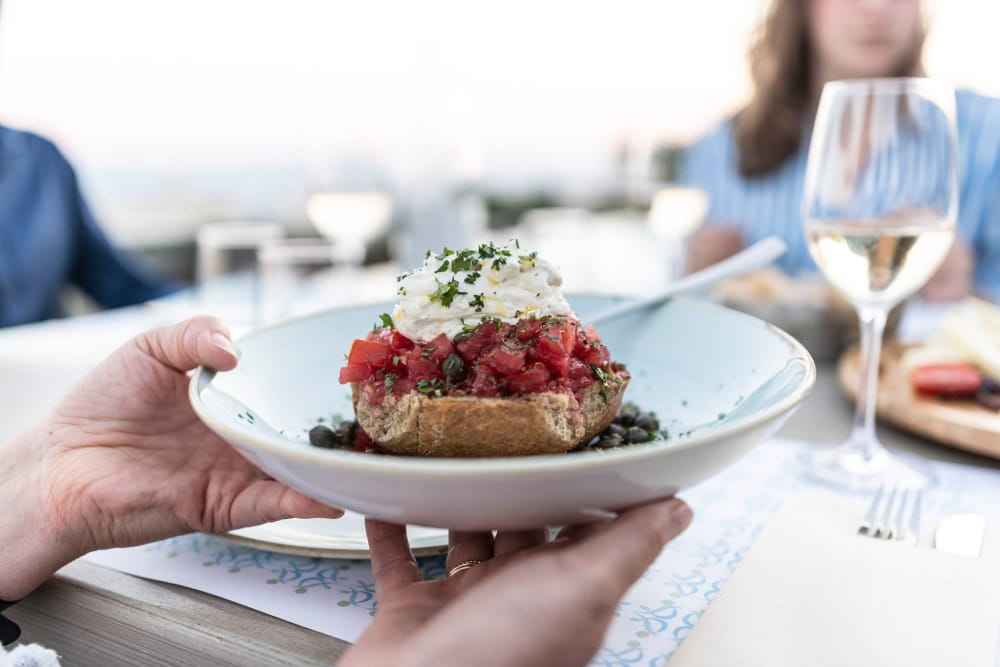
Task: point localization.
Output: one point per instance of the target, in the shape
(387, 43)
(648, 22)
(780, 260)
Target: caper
(322, 436)
(609, 442)
(647, 422)
(344, 433)
(454, 369)
(615, 429)
(627, 415)
(636, 434)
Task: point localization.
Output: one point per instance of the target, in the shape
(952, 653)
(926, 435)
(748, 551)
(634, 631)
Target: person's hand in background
(711, 244)
(529, 602)
(123, 460)
(953, 279)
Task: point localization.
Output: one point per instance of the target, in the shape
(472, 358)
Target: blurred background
(465, 116)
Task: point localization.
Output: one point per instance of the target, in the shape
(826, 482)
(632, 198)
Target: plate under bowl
(720, 382)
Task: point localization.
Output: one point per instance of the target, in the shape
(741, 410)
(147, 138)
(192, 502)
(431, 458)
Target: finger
(508, 542)
(464, 546)
(618, 555)
(581, 531)
(266, 500)
(393, 564)
(199, 341)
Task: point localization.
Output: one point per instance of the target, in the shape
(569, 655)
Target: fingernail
(680, 514)
(222, 342)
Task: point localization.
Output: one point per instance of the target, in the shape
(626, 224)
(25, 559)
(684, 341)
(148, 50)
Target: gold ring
(464, 565)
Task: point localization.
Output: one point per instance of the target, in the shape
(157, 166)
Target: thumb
(199, 341)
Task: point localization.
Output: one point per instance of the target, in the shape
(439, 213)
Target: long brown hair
(769, 129)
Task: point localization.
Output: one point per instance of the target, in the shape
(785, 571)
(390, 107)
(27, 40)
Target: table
(92, 615)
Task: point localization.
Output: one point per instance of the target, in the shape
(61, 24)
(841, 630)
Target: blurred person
(49, 238)
(123, 460)
(753, 165)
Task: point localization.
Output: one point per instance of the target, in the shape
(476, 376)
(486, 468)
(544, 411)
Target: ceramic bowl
(720, 382)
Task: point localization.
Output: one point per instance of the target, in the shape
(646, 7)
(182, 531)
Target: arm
(123, 460)
(103, 271)
(704, 163)
(987, 246)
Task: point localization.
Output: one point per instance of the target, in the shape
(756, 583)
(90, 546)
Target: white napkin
(811, 592)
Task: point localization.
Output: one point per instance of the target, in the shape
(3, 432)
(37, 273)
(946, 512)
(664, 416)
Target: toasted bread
(415, 424)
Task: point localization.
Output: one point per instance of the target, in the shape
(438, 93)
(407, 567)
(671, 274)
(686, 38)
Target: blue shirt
(772, 204)
(49, 238)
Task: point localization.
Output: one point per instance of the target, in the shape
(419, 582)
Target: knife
(961, 534)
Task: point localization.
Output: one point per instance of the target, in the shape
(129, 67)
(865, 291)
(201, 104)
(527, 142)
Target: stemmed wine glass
(880, 203)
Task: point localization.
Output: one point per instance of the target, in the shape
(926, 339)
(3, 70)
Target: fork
(897, 517)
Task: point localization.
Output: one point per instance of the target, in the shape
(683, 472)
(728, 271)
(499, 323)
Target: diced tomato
(485, 385)
(580, 373)
(557, 361)
(354, 373)
(369, 352)
(440, 348)
(400, 342)
(534, 355)
(528, 329)
(420, 364)
(530, 380)
(471, 345)
(946, 379)
(503, 358)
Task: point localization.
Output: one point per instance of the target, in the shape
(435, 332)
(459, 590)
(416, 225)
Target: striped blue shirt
(772, 205)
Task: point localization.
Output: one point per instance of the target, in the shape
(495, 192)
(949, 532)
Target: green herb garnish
(446, 292)
(478, 303)
(386, 319)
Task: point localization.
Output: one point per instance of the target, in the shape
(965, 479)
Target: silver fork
(893, 515)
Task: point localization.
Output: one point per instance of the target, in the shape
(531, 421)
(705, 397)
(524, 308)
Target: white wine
(879, 262)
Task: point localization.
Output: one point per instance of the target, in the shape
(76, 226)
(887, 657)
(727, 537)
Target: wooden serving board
(959, 423)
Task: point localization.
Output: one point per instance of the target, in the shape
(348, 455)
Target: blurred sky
(514, 94)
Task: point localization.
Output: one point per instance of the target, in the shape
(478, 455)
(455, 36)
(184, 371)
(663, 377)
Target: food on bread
(964, 360)
(482, 357)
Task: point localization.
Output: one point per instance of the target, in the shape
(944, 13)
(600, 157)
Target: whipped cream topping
(453, 290)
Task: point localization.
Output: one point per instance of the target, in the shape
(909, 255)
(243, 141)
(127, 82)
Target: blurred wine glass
(880, 203)
(352, 219)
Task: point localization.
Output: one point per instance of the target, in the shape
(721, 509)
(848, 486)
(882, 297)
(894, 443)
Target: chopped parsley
(386, 319)
(528, 259)
(472, 278)
(478, 302)
(430, 386)
(390, 380)
(602, 377)
(446, 292)
(442, 268)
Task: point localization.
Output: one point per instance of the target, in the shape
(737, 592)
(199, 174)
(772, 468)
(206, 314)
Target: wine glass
(880, 204)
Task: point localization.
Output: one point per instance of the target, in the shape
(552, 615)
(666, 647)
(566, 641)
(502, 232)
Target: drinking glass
(226, 268)
(880, 204)
(300, 276)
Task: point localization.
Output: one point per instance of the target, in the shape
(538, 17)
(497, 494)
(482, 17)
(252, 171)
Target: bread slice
(463, 426)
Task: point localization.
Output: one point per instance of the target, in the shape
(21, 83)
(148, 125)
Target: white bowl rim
(447, 467)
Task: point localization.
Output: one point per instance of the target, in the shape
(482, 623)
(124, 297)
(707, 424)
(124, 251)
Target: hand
(711, 244)
(953, 279)
(123, 460)
(528, 603)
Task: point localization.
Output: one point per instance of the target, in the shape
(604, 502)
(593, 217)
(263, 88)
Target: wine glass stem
(863, 439)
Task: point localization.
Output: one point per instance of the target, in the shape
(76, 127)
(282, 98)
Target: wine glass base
(847, 469)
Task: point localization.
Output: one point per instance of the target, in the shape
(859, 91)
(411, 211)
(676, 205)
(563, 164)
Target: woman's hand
(711, 244)
(530, 602)
(123, 460)
(953, 279)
